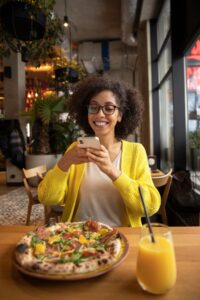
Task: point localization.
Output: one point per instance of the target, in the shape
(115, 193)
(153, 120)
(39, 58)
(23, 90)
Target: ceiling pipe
(129, 9)
(138, 13)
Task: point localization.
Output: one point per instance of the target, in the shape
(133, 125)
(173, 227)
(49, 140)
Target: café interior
(152, 45)
(139, 42)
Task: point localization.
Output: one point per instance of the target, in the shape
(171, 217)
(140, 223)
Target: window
(164, 87)
(166, 124)
(165, 61)
(192, 63)
(163, 24)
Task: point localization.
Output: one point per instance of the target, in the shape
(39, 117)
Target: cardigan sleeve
(137, 174)
(53, 188)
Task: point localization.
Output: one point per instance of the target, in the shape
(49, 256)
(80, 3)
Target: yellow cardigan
(60, 187)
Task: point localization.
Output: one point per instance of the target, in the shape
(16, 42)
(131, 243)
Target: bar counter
(120, 283)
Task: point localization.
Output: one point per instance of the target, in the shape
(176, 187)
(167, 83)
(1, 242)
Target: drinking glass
(156, 263)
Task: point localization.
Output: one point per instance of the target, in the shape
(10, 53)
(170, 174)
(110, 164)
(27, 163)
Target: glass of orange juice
(156, 263)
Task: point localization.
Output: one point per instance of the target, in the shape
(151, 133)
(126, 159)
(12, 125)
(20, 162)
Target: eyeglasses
(107, 109)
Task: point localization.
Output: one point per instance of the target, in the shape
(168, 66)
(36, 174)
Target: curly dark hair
(128, 99)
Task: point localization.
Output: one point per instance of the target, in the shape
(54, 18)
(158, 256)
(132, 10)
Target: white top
(99, 199)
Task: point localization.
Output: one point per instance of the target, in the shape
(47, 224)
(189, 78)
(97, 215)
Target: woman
(102, 184)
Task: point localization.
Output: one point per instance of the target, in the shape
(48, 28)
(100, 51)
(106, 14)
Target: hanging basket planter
(31, 28)
(72, 75)
(66, 74)
(22, 21)
(61, 74)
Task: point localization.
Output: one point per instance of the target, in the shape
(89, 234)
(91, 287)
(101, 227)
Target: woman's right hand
(75, 155)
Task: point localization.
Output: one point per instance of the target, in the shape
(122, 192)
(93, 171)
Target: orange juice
(156, 265)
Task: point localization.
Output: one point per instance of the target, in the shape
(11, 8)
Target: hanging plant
(68, 70)
(31, 28)
(23, 21)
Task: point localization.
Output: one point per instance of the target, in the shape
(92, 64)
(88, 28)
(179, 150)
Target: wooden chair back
(33, 172)
(165, 182)
(53, 211)
(32, 194)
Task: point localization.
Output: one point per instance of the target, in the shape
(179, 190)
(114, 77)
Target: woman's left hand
(101, 158)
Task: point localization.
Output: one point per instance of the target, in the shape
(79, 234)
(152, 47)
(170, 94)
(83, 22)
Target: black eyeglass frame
(101, 107)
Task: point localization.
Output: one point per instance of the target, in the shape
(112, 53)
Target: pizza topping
(91, 225)
(54, 239)
(35, 239)
(109, 236)
(39, 249)
(88, 253)
(75, 245)
(43, 233)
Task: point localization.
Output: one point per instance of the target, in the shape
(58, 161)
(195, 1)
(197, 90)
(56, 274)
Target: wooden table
(120, 283)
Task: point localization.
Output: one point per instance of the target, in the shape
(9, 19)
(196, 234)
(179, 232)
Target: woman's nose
(101, 111)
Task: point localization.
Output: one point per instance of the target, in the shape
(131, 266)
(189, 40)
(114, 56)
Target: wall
(143, 82)
(14, 86)
(14, 92)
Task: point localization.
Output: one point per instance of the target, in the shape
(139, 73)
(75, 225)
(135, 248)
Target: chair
(31, 178)
(35, 174)
(163, 182)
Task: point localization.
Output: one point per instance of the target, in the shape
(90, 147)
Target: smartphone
(89, 142)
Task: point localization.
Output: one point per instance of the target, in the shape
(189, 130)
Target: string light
(65, 23)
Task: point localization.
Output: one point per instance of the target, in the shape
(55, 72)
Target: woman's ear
(119, 117)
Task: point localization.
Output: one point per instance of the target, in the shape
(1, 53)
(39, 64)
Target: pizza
(69, 248)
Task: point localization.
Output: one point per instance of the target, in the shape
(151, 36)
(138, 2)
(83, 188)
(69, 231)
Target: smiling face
(102, 124)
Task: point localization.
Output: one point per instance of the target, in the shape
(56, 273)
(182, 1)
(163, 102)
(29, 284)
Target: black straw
(146, 215)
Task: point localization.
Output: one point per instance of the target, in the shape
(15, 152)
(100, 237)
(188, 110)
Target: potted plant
(194, 142)
(52, 130)
(31, 28)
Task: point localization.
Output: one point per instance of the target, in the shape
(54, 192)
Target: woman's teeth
(100, 123)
